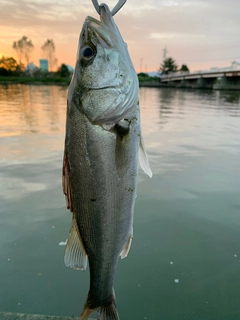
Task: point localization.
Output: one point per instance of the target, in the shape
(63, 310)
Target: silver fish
(102, 145)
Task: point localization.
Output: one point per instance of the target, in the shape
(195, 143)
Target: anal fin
(126, 249)
(75, 254)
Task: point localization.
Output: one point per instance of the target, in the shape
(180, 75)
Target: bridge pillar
(172, 84)
(182, 84)
(201, 83)
(223, 81)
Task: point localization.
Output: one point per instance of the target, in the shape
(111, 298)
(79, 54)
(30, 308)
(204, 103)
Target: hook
(117, 7)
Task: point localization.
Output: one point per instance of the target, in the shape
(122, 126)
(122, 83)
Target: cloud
(163, 35)
(147, 27)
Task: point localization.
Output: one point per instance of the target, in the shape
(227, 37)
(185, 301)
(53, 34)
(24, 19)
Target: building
(31, 68)
(43, 64)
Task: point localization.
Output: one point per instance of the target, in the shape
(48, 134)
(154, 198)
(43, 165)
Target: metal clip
(117, 7)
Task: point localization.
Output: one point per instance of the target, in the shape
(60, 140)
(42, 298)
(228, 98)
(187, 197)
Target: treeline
(169, 65)
(9, 67)
(24, 47)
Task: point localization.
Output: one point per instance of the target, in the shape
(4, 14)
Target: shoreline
(24, 316)
(144, 84)
(35, 81)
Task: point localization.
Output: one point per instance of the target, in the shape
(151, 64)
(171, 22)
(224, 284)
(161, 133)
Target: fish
(102, 152)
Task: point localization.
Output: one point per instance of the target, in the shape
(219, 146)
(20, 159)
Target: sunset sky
(199, 33)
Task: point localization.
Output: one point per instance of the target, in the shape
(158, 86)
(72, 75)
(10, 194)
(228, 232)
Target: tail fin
(104, 312)
(108, 312)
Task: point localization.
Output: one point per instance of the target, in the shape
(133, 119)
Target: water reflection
(166, 97)
(230, 97)
(190, 123)
(31, 109)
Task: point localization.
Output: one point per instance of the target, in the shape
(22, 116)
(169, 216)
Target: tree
(48, 50)
(63, 71)
(23, 48)
(168, 65)
(142, 77)
(9, 66)
(9, 63)
(184, 68)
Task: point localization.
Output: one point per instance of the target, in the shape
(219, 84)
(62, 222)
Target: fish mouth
(102, 88)
(112, 88)
(104, 30)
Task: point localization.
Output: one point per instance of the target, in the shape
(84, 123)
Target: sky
(199, 33)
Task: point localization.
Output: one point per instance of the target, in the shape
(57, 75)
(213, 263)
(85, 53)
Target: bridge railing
(211, 71)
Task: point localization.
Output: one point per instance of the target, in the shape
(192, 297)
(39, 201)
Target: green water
(185, 258)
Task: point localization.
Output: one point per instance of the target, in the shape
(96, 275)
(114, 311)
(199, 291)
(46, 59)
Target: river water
(185, 257)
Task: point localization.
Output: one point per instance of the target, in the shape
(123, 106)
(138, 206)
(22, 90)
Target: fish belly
(103, 173)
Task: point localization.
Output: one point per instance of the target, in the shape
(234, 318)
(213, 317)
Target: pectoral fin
(126, 249)
(143, 159)
(123, 127)
(75, 253)
(67, 190)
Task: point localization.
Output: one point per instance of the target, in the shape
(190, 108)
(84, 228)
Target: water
(185, 258)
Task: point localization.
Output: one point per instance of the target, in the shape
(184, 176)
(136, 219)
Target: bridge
(226, 78)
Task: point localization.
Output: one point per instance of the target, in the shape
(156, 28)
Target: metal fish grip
(117, 7)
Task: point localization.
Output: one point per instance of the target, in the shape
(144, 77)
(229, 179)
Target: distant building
(236, 65)
(31, 68)
(70, 68)
(43, 64)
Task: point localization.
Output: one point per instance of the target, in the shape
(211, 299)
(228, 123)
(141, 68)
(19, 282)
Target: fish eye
(87, 53)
